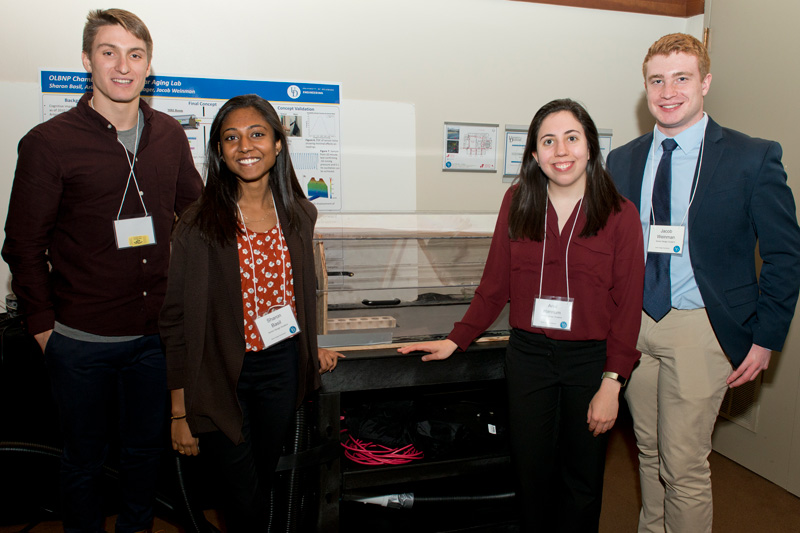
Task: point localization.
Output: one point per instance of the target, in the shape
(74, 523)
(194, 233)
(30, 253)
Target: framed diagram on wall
(470, 147)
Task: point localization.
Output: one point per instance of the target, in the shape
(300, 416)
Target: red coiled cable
(369, 453)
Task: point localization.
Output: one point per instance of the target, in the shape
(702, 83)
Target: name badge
(552, 312)
(277, 325)
(666, 240)
(132, 232)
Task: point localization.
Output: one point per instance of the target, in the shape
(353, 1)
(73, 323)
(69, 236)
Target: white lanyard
(135, 231)
(131, 162)
(554, 312)
(281, 247)
(699, 166)
(566, 254)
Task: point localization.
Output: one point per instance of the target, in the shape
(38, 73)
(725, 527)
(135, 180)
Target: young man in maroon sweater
(95, 193)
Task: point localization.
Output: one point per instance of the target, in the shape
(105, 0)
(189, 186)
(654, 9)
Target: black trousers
(100, 388)
(559, 464)
(267, 390)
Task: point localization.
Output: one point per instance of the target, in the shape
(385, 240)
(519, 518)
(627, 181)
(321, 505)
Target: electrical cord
(371, 454)
(368, 453)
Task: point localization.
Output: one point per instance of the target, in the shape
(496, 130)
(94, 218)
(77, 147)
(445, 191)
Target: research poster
(309, 113)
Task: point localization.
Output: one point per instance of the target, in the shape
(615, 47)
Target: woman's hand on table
(328, 359)
(437, 350)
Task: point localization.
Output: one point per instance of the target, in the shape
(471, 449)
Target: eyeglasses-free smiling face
(675, 91)
(118, 65)
(247, 144)
(562, 151)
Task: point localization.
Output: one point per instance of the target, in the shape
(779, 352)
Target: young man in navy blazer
(706, 195)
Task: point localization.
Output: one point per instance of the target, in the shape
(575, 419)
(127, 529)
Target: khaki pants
(674, 396)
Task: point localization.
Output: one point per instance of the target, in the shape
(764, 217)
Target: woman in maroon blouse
(567, 254)
(239, 318)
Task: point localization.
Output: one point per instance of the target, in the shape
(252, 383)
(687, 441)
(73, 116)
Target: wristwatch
(615, 377)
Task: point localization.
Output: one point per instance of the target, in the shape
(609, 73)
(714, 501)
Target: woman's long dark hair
(529, 199)
(216, 212)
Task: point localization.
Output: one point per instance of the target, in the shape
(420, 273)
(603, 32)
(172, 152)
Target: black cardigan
(202, 322)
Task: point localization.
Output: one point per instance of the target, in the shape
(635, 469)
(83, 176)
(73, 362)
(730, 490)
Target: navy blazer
(741, 197)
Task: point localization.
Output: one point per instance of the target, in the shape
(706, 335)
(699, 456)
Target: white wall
(490, 61)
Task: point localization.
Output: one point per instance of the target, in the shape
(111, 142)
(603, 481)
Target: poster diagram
(309, 114)
(316, 153)
(470, 147)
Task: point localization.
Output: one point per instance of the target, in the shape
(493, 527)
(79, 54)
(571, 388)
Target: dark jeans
(99, 388)
(267, 390)
(558, 463)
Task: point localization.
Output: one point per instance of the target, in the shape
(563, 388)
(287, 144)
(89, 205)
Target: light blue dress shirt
(685, 294)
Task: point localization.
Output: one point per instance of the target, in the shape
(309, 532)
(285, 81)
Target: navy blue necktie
(657, 287)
